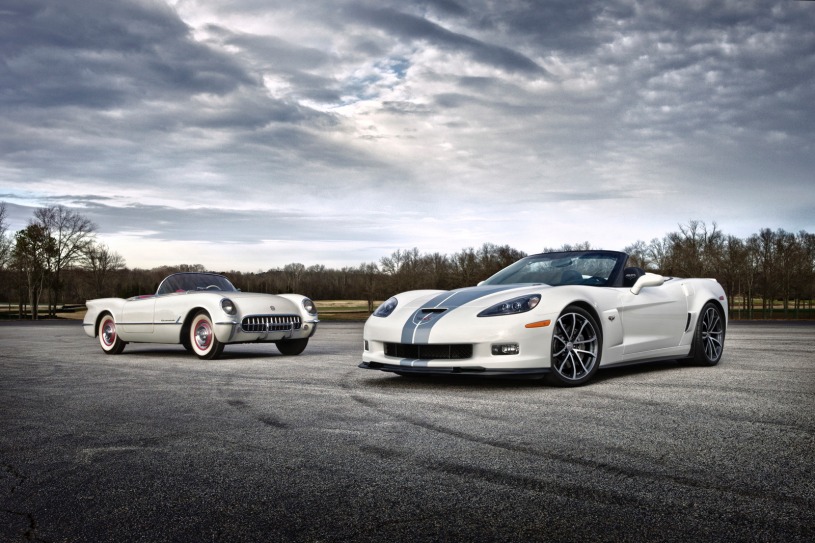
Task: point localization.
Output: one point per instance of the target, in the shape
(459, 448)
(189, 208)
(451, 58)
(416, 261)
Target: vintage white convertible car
(203, 312)
(556, 315)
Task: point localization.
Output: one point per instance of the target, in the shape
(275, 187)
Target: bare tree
(693, 250)
(404, 270)
(584, 246)
(637, 254)
(293, 273)
(72, 234)
(33, 250)
(370, 274)
(787, 254)
(806, 270)
(764, 243)
(466, 267)
(100, 261)
(493, 258)
(658, 250)
(5, 241)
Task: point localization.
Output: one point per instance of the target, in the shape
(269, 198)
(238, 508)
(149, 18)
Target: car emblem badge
(271, 307)
(419, 319)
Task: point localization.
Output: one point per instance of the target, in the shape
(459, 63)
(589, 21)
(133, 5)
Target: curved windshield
(183, 282)
(569, 268)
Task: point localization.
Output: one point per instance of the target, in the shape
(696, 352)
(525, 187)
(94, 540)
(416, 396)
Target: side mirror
(647, 280)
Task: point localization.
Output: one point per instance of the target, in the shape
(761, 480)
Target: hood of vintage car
(258, 303)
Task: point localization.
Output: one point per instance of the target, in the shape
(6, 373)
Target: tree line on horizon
(57, 260)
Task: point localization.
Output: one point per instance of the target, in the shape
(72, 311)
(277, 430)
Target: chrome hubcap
(108, 333)
(574, 346)
(203, 335)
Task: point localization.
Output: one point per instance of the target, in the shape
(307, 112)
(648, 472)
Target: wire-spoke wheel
(576, 347)
(708, 343)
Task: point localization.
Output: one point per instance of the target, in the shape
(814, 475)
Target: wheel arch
(696, 311)
(185, 327)
(99, 318)
(721, 307)
(590, 308)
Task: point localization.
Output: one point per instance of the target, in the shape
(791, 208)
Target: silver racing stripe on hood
(417, 327)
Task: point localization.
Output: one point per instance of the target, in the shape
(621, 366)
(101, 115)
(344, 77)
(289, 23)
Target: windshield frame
(617, 261)
(194, 282)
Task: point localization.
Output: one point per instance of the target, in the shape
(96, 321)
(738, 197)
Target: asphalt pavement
(156, 445)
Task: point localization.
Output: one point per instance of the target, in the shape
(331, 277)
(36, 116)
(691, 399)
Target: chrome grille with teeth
(270, 323)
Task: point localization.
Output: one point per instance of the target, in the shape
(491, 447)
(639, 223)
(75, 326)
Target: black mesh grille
(427, 352)
(270, 323)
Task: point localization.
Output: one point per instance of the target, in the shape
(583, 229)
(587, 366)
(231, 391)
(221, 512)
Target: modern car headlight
(522, 304)
(228, 306)
(386, 308)
(309, 306)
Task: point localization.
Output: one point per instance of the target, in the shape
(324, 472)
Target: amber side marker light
(539, 324)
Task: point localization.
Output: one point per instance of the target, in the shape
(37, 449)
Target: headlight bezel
(229, 307)
(513, 306)
(309, 306)
(386, 308)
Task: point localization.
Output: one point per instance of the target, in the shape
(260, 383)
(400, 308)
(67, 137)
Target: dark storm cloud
(736, 64)
(388, 115)
(411, 27)
(553, 25)
(287, 60)
(101, 54)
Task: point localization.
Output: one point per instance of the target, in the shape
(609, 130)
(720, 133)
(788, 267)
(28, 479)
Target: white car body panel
(656, 323)
(161, 318)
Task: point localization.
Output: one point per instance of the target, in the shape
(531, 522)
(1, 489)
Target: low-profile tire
(708, 339)
(577, 342)
(108, 337)
(291, 347)
(202, 337)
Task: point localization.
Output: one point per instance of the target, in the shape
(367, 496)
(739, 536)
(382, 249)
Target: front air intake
(452, 351)
(270, 323)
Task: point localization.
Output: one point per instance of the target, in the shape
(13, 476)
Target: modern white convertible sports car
(203, 312)
(559, 315)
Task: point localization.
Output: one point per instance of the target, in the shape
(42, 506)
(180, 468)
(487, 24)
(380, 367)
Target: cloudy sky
(249, 134)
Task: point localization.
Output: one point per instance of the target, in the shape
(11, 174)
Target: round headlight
(309, 306)
(228, 306)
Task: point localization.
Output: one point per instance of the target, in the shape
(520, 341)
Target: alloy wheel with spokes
(576, 344)
(709, 339)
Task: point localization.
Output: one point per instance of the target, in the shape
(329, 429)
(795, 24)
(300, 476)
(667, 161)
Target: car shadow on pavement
(419, 381)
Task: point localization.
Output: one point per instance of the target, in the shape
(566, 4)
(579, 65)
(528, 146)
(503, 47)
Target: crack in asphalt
(30, 534)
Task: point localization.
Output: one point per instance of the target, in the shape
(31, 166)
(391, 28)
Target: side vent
(687, 324)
